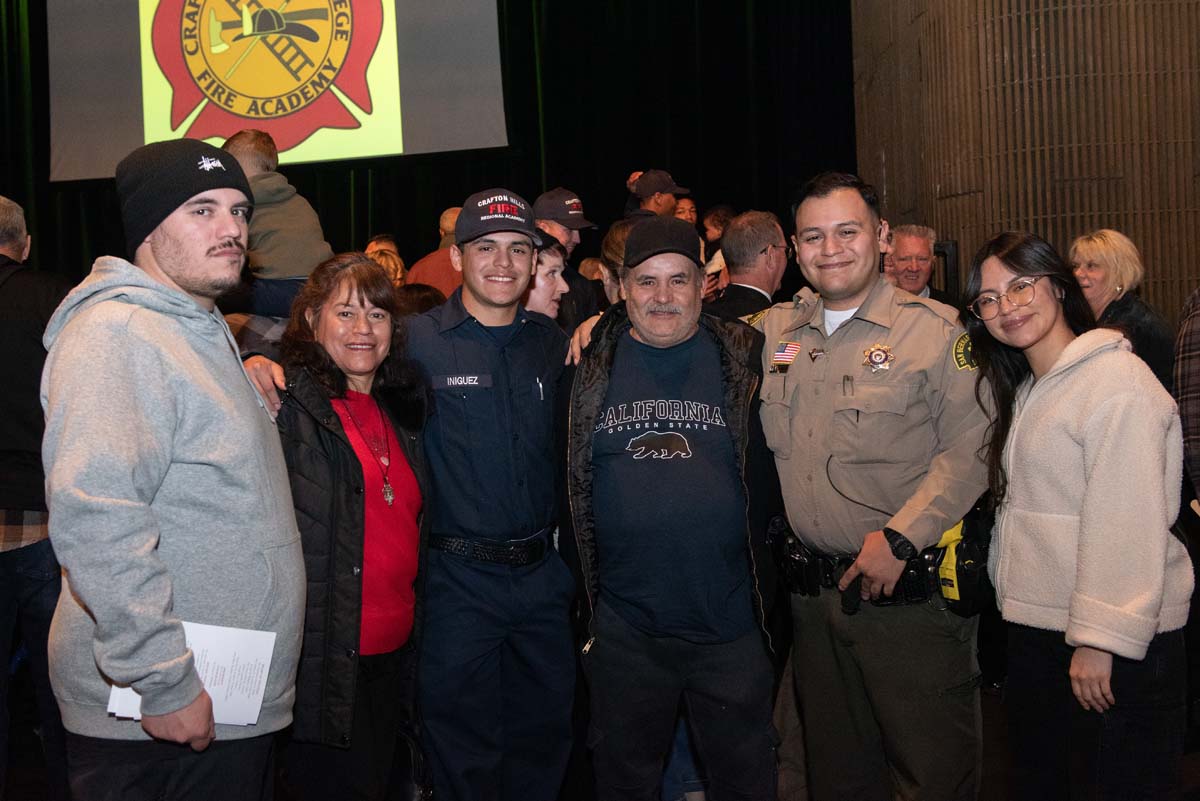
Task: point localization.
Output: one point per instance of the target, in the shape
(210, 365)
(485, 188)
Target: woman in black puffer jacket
(350, 426)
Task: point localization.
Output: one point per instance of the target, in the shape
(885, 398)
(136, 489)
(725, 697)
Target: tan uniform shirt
(876, 425)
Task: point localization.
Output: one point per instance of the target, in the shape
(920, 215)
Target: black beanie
(156, 179)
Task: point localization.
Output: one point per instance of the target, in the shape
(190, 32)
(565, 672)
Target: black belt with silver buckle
(515, 553)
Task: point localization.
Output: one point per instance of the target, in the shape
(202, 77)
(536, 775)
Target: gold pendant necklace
(384, 461)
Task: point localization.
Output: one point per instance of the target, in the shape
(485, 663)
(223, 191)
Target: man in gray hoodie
(168, 494)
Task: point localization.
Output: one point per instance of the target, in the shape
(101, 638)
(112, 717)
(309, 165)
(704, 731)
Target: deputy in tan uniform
(868, 402)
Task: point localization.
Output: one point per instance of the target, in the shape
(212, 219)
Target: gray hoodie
(169, 501)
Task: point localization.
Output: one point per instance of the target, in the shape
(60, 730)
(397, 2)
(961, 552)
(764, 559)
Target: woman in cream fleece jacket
(1085, 462)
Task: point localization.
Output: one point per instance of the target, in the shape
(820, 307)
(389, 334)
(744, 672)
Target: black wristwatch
(901, 547)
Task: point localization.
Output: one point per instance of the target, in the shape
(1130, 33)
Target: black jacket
(1146, 331)
(738, 301)
(741, 370)
(27, 299)
(327, 492)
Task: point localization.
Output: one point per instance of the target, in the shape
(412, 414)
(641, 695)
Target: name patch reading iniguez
(462, 381)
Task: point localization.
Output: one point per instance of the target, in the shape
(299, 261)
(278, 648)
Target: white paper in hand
(233, 665)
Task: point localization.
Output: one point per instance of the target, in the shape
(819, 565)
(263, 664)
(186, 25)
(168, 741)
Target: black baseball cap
(652, 181)
(494, 210)
(657, 235)
(563, 207)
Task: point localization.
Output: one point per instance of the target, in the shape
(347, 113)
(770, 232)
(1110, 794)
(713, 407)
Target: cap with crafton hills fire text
(563, 207)
(494, 210)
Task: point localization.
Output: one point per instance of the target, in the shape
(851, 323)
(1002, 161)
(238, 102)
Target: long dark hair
(1002, 367)
(397, 378)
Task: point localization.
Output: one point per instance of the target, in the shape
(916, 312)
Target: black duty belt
(806, 571)
(515, 553)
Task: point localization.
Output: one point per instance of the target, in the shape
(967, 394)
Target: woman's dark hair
(1004, 367)
(555, 248)
(418, 298)
(358, 273)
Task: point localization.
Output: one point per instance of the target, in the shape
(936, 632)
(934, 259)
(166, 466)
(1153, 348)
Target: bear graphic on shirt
(659, 445)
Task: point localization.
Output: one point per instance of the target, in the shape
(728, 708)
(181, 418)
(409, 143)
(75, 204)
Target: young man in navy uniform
(497, 671)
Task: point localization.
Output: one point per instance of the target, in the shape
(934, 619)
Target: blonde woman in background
(1109, 268)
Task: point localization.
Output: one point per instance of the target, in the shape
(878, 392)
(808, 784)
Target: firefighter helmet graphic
(267, 64)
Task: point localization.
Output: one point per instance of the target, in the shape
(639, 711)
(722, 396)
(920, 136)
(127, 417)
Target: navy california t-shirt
(668, 502)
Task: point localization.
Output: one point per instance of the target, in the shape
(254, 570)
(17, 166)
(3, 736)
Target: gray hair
(745, 237)
(12, 224)
(919, 231)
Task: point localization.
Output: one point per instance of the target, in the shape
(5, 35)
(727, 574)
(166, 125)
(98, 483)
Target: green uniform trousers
(889, 701)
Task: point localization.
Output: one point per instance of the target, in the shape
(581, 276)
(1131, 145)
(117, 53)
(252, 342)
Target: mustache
(228, 243)
(663, 308)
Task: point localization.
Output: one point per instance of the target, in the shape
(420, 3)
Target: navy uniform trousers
(497, 678)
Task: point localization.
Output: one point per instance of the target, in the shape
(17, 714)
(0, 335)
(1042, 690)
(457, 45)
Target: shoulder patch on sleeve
(963, 359)
(752, 319)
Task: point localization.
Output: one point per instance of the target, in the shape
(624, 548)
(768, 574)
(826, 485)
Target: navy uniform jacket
(489, 440)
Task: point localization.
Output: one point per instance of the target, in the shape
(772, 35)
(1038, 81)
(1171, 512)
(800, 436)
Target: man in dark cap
(559, 213)
(497, 672)
(159, 453)
(657, 193)
(671, 486)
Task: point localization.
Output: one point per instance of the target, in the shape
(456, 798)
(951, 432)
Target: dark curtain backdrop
(739, 100)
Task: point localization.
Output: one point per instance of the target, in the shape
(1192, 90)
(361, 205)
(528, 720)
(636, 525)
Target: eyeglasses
(1021, 293)
(788, 250)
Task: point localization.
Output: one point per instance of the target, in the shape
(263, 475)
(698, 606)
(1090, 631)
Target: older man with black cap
(497, 673)
(671, 486)
(168, 494)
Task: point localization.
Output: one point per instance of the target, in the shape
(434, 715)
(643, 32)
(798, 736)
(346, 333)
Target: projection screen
(328, 79)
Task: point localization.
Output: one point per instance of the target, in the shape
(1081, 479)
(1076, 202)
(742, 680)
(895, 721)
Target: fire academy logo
(267, 64)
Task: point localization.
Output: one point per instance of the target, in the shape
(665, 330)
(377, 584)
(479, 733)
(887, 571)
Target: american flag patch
(786, 353)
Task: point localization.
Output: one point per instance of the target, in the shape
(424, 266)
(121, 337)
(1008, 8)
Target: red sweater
(390, 533)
